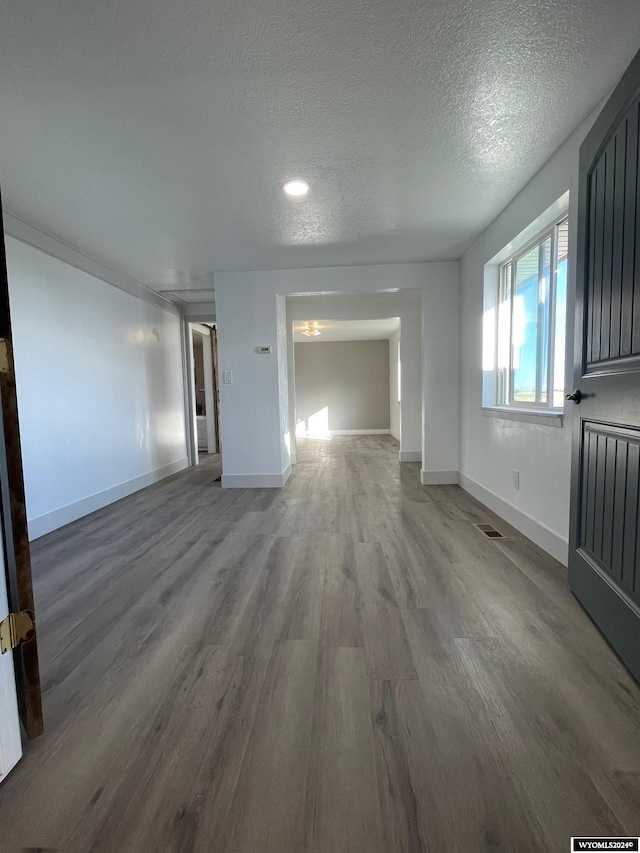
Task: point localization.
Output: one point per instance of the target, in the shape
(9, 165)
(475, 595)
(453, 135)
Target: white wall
(254, 409)
(100, 388)
(491, 448)
(394, 405)
(347, 382)
(407, 306)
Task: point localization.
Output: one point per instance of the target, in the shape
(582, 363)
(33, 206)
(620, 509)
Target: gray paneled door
(604, 555)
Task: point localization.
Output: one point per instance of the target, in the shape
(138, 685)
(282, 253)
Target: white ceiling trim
(56, 248)
(187, 297)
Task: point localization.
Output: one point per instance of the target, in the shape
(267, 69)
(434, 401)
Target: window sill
(552, 418)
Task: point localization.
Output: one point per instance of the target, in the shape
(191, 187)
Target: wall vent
(489, 530)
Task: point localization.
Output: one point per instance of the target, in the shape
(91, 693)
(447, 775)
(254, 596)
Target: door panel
(609, 502)
(612, 235)
(604, 553)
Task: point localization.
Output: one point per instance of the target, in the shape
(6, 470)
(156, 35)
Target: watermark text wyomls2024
(585, 843)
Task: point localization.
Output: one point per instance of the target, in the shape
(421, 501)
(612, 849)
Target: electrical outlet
(516, 479)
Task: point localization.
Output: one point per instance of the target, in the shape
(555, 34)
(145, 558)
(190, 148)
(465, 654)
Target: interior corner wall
(283, 388)
(254, 417)
(251, 426)
(491, 448)
(100, 388)
(347, 380)
(440, 364)
(394, 404)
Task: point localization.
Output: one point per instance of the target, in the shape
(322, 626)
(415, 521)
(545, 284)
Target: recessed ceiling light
(296, 187)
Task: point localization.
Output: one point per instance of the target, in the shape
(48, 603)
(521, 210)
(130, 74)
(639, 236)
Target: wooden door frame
(14, 517)
(216, 387)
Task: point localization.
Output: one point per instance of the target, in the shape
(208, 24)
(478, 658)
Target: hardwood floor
(343, 666)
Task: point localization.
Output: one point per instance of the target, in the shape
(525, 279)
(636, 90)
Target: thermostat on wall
(263, 350)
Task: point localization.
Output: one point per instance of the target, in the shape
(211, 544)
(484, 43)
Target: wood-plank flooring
(342, 666)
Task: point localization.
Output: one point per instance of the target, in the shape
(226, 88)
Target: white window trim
(555, 213)
(545, 417)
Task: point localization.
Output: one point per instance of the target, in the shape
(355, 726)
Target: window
(528, 321)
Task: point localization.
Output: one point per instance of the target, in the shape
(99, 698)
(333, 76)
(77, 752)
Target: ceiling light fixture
(296, 187)
(311, 332)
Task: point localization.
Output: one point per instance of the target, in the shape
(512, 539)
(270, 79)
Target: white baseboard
(256, 481)
(394, 435)
(550, 541)
(43, 524)
(438, 478)
(410, 456)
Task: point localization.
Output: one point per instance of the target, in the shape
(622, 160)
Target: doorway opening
(346, 382)
(204, 405)
(355, 374)
(346, 378)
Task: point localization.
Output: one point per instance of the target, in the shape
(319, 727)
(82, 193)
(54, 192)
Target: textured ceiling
(154, 136)
(347, 330)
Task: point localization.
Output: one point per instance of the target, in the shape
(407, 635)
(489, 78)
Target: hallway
(346, 665)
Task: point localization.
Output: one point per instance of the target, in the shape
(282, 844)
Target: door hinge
(15, 629)
(5, 356)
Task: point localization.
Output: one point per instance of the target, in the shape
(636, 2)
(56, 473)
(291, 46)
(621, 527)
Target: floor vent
(489, 531)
